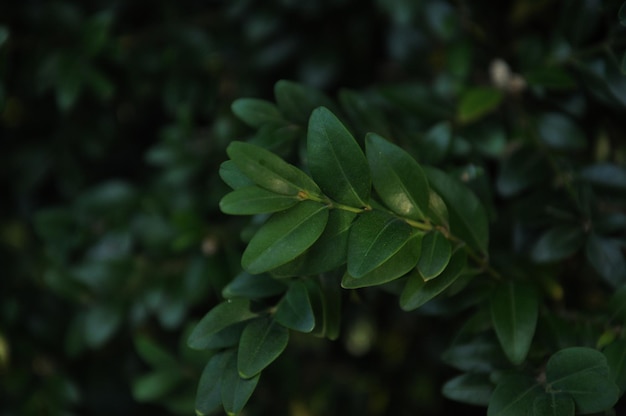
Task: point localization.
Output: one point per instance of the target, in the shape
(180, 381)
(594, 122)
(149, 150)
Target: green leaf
(328, 252)
(554, 404)
(477, 102)
(235, 391)
(417, 292)
(550, 77)
(605, 255)
(330, 295)
(208, 395)
(397, 177)
(262, 342)
(436, 143)
(223, 315)
(233, 176)
(560, 132)
(615, 355)
(156, 385)
(605, 175)
(437, 210)
(294, 310)
(558, 243)
(468, 219)
(269, 171)
(364, 114)
(583, 373)
(256, 113)
(435, 255)
(523, 168)
(472, 389)
(153, 354)
(101, 322)
(226, 338)
(514, 311)
(285, 236)
(336, 161)
(479, 355)
(397, 266)
(375, 237)
(297, 101)
(514, 396)
(250, 286)
(254, 200)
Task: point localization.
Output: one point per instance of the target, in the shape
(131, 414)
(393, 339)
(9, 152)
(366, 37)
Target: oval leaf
(254, 200)
(514, 312)
(435, 255)
(269, 171)
(468, 218)
(250, 286)
(262, 341)
(560, 132)
(417, 292)
(375, 238)
(477, 102)
(605, 255)
(558, 243)
(336, 161)
(233, 176)
(208, 395)
(514, 396)
(583, 373)
(294, 310)
(285, 236)
(235, 391)
(554, 405)
(397, 177)
(223, 315)
(256, 113)
(473, 389)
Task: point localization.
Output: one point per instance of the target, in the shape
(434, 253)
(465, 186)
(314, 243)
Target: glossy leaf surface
(514, 395)
(256, 113)
(473, 389)
(435, 255)
(262, 341)
(294, 310)
(235, 391)
(208, 395)
(223, 315)
(254, 200)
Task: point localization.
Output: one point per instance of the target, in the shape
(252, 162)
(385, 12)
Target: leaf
(622, 14)
(153, 354)
(617, 303)
(375, 237)
(254, 200)
(294, 310)
(233, 176)
(397, 177)
(397, 266)
(554, 404)
(262, 342)
(606, 175)
(208, 395)
(285, 236)
(468, 219)
(583, 373)
(223, 315)
(437, 210)
(226, 338)
(550, 77)
(615, 355)
(256, 113)
(364, 114)
(521, 170)
(101, 322)
(514, 311)
(436, 143)
(560, 133)
(336, 161)
(155, 385)
(235, 391)
(417, 292)
(435, 255)
(250, 286)
(477, 102)
(269, 171)
(605, 255)
(297, 101)
(558, 243)
(473, 389)
(514, 395)
(330, 295)
(479, 355)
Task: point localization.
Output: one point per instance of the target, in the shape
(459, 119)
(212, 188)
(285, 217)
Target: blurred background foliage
(114, 117)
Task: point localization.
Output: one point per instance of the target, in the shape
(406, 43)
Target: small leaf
(477, 102)
(262, 341)
(479, 355)
(153, 354)
(554, 404)
(397, 266)
(397, 177)
(223, 315)
(297, 101)
(468, 219)
(269, 171)
(514, 312)
(250, 286)
(616, 359)
(514, 396)
(336, 161)
(417, 292)
(375, 237)
(233, 176)
(605, 175)
(435, 255)
(285, 236)
(155, 385)
(558, 243)
(294, 310)
(473, 389)
(583, 373)
(208, 395)
(235, 391)
(256, 113)
(254, 200)
(559, 132)
(605, 255)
